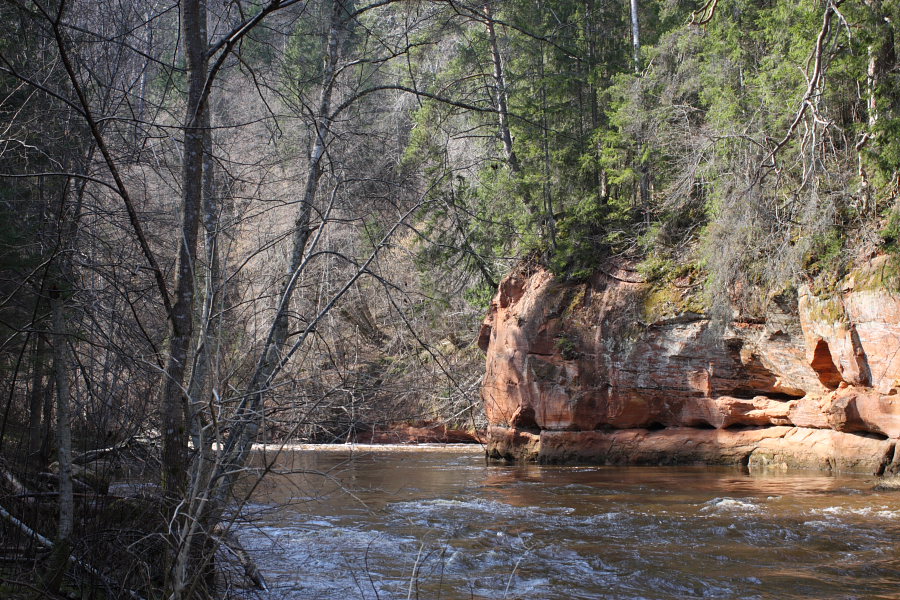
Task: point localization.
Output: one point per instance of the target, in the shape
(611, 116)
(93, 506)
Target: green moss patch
(882, 273)
(674, 290)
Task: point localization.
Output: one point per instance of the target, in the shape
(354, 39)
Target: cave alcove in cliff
(823, 364)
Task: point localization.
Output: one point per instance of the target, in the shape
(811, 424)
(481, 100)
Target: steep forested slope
(755, 141)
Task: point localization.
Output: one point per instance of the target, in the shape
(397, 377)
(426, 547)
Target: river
(440, 523)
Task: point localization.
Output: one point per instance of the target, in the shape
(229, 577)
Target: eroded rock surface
(581, 373)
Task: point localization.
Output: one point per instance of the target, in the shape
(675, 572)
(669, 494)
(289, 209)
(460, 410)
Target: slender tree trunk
(644, 184)
(198, 546)
(549, 220)
(173, 401)
(501, 97)
(47, 421)
(249, 413)
(198, 388)
(185, 525)
(62, 547)
(882, 58)
(501, 102)
(871, 84)
(63, 424)
(635, 37)
(598, 174)
(35, 399)
(147, 43)
(643, 169)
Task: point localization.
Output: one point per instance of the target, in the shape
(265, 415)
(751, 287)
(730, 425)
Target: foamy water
(441, 523)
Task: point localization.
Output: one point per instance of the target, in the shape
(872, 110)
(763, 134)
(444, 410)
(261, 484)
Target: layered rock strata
(611, 371)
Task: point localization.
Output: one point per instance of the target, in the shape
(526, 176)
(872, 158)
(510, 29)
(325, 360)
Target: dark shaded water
(440, 523)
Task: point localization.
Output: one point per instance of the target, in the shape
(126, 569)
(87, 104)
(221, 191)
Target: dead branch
(231, 543)
(705, 13)
(812, 89)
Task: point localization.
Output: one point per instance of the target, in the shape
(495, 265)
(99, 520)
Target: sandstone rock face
(580, 373)
(778, 448)
(856, 331)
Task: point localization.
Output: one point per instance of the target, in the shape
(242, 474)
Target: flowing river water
(439, 522)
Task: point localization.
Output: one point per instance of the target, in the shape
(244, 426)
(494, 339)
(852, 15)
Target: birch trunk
(635, 36)
(248, 416)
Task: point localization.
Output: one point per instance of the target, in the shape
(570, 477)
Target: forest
(278, 221)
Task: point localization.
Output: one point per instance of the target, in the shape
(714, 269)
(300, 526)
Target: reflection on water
(440, 523)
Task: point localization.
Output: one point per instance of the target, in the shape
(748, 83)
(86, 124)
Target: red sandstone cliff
(580, 373)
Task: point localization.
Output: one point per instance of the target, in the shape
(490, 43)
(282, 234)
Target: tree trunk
(635, 36)
(548, 222)
(198, 388)
(643, 169)
(881, 59)
(173, 400)
(47, 421)
(174, 403)
(598, 174)
(501, 98)
(249, 414)
(60, 558)
(35, 400)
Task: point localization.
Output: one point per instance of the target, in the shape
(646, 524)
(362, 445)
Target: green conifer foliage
(755, 143)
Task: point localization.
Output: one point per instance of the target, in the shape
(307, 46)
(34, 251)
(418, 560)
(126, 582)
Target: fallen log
(52, 479)
(47, 543)
(18, 488)
(98, 453)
